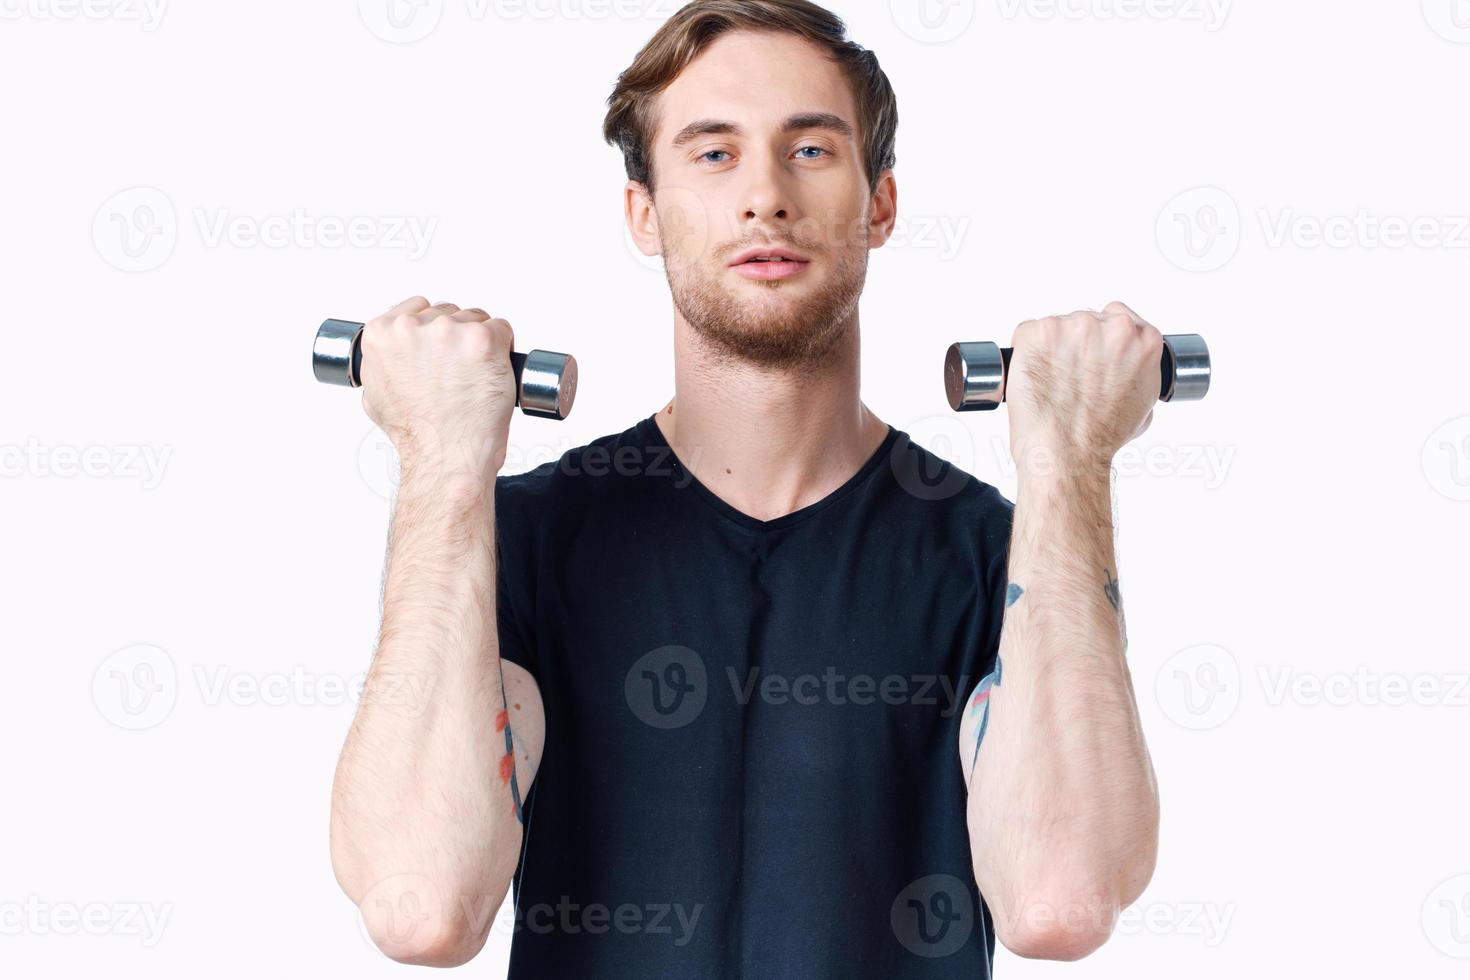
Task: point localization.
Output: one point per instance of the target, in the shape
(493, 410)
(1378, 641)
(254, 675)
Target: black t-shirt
(751, 765)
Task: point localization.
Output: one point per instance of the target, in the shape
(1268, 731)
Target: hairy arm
(426, 804)
(1063, 806)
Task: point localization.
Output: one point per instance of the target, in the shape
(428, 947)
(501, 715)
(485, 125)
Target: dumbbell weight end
(546, 382)
(975, 372)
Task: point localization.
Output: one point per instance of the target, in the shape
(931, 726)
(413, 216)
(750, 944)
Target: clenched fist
(1081, 386)
(438, 381)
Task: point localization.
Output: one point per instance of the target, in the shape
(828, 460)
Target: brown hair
(629, 124)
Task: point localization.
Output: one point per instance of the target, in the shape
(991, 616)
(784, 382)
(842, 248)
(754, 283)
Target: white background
(178, 633)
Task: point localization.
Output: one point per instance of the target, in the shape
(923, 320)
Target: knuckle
(1045, 328)
(479, 340)
(374, 337)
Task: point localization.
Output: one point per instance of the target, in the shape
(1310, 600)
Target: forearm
(418, 804)
(1063, 808)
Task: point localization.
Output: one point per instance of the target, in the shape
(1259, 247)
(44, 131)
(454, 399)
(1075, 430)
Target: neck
(768, 441)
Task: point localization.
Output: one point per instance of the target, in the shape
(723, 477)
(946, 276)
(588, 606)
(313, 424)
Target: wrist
(1050, 463)
(458, 490)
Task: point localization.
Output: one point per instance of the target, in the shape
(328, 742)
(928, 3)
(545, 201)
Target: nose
(765, 199)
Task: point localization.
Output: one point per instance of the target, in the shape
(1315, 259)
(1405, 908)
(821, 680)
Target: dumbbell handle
(546, 382)
(975, 373)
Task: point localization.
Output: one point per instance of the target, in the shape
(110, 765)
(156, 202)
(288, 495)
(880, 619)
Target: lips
(763, 255)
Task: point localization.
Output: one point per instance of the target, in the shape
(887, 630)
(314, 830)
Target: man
(727, 693)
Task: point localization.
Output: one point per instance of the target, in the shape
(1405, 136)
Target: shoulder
(948, 493)
(523, 498)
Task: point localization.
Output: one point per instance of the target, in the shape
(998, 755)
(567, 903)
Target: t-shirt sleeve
(515, 579)
(996, 537)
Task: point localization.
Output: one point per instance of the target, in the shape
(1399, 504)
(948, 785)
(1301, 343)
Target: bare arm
(1063, 805)
(426, 804)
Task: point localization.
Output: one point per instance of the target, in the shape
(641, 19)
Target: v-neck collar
(655, 437)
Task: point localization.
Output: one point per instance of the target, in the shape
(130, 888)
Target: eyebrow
(801, 120)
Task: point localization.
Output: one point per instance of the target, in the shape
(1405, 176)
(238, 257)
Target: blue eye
(704, 155)
(817, 148)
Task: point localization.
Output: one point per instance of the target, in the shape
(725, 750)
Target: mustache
(736, 247)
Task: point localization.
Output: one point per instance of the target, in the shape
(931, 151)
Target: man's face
(757, 147)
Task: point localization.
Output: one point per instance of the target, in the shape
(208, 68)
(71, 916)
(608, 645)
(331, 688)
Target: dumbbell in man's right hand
(437, 379)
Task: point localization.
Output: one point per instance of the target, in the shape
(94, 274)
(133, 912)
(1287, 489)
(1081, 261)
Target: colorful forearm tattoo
(508, 761)
(1115, 599)
(980, 699)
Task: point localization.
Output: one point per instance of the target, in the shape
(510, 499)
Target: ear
(884, 214)
(642, 220)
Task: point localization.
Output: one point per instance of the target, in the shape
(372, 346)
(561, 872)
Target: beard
(769, 329)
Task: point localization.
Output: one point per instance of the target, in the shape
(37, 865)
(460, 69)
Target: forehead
(755, 79)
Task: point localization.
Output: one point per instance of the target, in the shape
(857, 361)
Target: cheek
(834, 229)
(686, 225)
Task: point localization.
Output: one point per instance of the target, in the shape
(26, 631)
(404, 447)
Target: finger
(1115, 308)
(504, 326)
(411, 305)
(437, 310)
(471, 315)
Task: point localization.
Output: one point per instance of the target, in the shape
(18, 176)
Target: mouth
(769, 263)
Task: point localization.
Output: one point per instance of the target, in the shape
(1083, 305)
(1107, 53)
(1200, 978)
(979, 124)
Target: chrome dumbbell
(546, 382)
(975, 373)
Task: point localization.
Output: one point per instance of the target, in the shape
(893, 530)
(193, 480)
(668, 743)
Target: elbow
(409, 917)
(414, 922)
(1059, 931)
(438, 916)
(1069, 922)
